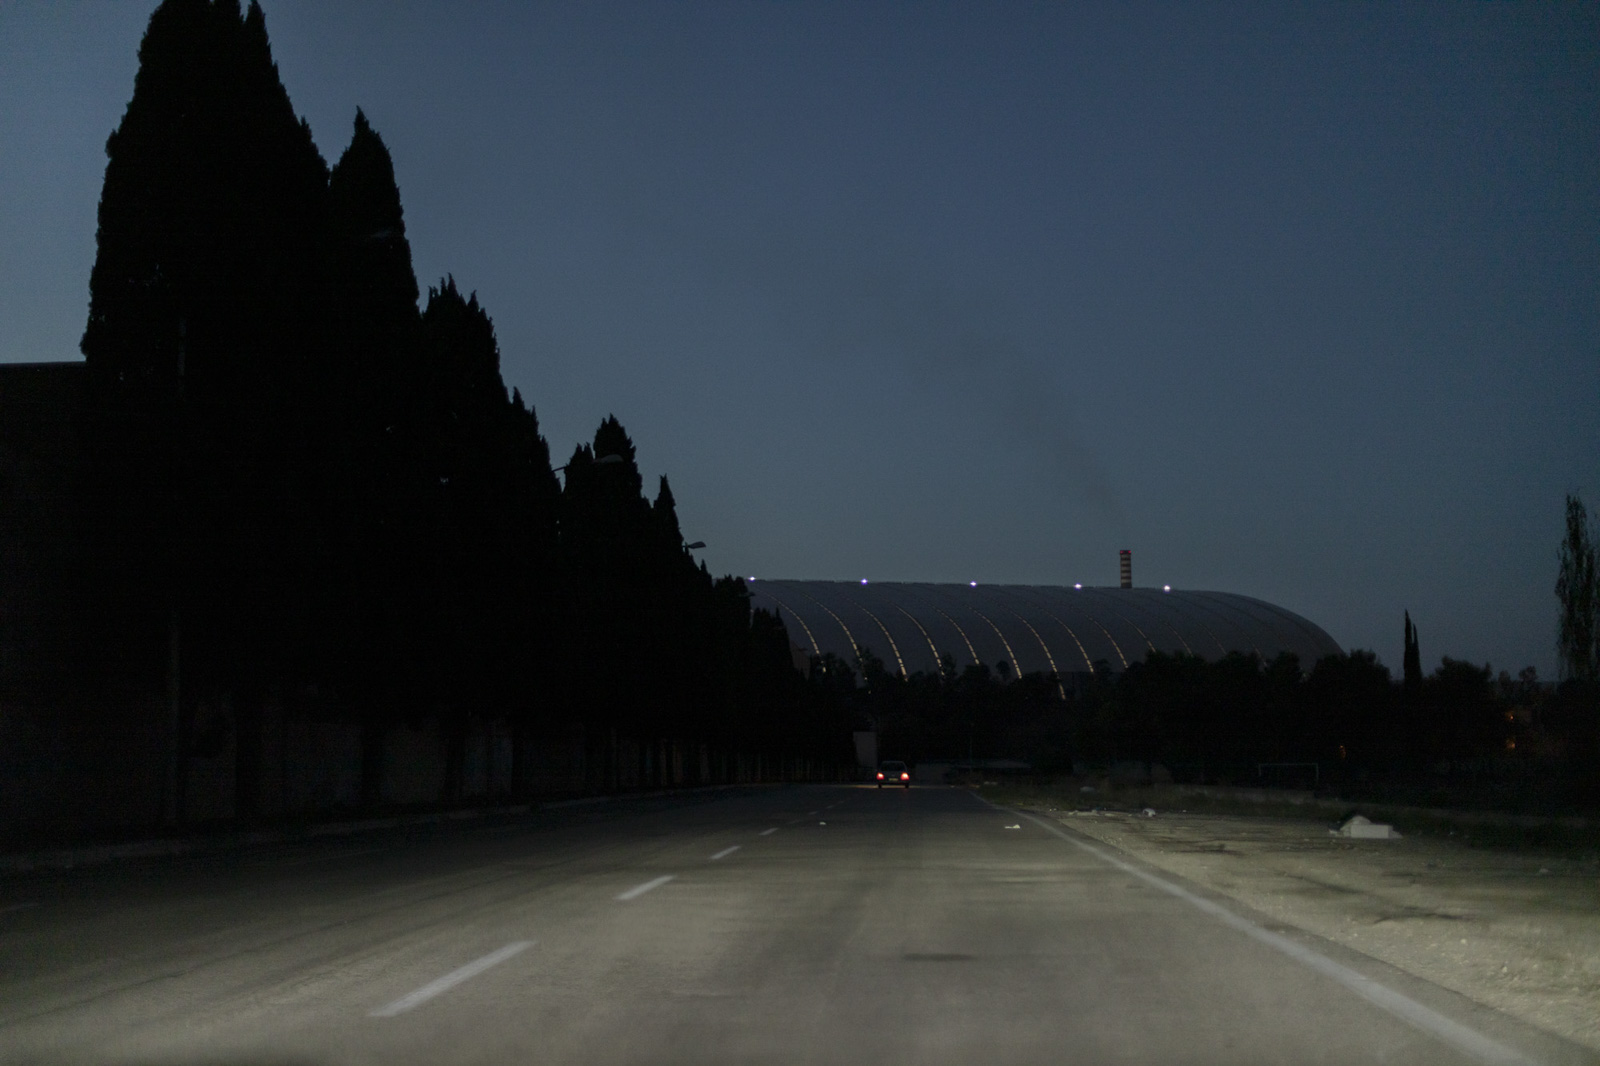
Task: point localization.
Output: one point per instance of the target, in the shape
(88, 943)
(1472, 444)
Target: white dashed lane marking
(638, 890)
(18, 906)
(724, 853)
(768, 832)
(451, 979)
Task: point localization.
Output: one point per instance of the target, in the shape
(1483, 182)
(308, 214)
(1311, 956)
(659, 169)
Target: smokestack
(1127, 568)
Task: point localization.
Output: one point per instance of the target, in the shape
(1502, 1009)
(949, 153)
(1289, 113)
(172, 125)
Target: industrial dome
(1033, 628)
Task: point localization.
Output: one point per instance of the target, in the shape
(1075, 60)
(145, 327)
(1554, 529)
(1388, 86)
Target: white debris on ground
(1362, 828)
(1149, 812)
(1515, 929)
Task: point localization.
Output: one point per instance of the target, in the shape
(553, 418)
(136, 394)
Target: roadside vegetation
(1462, 736)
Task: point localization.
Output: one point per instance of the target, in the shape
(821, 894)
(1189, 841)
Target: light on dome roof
(1166, 588)
(974, 584)
(863, 581)
(1079, 585)
(752, 577)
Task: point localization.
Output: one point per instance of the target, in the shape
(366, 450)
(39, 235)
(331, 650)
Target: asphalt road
(803, 925)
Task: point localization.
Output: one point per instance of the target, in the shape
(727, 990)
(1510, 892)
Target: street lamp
(604, 460)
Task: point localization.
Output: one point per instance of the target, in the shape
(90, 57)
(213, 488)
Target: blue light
(863, 581)
(974, 584)
(1079, 585)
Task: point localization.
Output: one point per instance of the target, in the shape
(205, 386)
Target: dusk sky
(1295, 301)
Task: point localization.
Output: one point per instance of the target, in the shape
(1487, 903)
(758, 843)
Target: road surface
(766, 925)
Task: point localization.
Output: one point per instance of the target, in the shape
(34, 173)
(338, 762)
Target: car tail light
(880, 775)
(905, 777)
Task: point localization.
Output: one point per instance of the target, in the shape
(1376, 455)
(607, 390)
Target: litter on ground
(1361, 828)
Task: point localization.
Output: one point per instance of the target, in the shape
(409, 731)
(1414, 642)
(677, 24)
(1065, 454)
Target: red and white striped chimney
(1127, 568)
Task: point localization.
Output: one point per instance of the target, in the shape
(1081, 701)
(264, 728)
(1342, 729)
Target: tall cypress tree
(495, 502)
(1578, 589)
(374, 369)
(372, 417)
(1412, 660)
(201, 336)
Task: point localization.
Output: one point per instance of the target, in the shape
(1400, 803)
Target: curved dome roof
(1035, 628)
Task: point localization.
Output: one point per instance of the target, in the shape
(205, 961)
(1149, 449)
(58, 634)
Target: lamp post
(604, 460)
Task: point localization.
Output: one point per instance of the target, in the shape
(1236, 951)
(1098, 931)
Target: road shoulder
(1516, 931)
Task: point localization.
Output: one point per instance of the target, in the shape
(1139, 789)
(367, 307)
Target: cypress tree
(1412, 660)
(530, 577)
(1578, 589)
(200, 339)
(664, 511)
(372, 413)
(495, 496)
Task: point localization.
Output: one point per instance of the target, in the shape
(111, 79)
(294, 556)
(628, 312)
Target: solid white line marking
(451, 979)
(638, 890)
(1402, 1006)
(724, 853)
(768, 832)
(19, 906)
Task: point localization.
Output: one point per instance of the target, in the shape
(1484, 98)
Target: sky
(1299, 301)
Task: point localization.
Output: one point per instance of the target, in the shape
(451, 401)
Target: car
(893, 772)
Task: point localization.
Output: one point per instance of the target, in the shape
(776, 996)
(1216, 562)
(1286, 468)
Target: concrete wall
(413, 764)
(69, 775)
(59, 771)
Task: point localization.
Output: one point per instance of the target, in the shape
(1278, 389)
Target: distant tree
(833, 673)
(1165, 710)
(1579, 596)
(1348, 711)
(1466, 717)
(1281, 717)
(871, 669)
(1413, 658)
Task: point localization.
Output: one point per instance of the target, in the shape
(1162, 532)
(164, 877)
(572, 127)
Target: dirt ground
(1515, 929)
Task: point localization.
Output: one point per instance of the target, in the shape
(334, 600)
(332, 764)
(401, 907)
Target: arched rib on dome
(1032, 628)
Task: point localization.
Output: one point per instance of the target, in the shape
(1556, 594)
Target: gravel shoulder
(1514, 929)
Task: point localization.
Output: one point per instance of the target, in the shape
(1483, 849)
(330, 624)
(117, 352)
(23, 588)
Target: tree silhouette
(1577, 590)
(371, 426)
(305, 490)
(1413, 659)
(494, 498)
(201, 343)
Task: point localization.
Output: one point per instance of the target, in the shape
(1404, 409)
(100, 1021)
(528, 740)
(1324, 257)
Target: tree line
(1242, 719)
(300, 485)
(1238, 719)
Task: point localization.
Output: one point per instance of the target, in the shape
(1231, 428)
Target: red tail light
(905, 777)
(880, 775)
